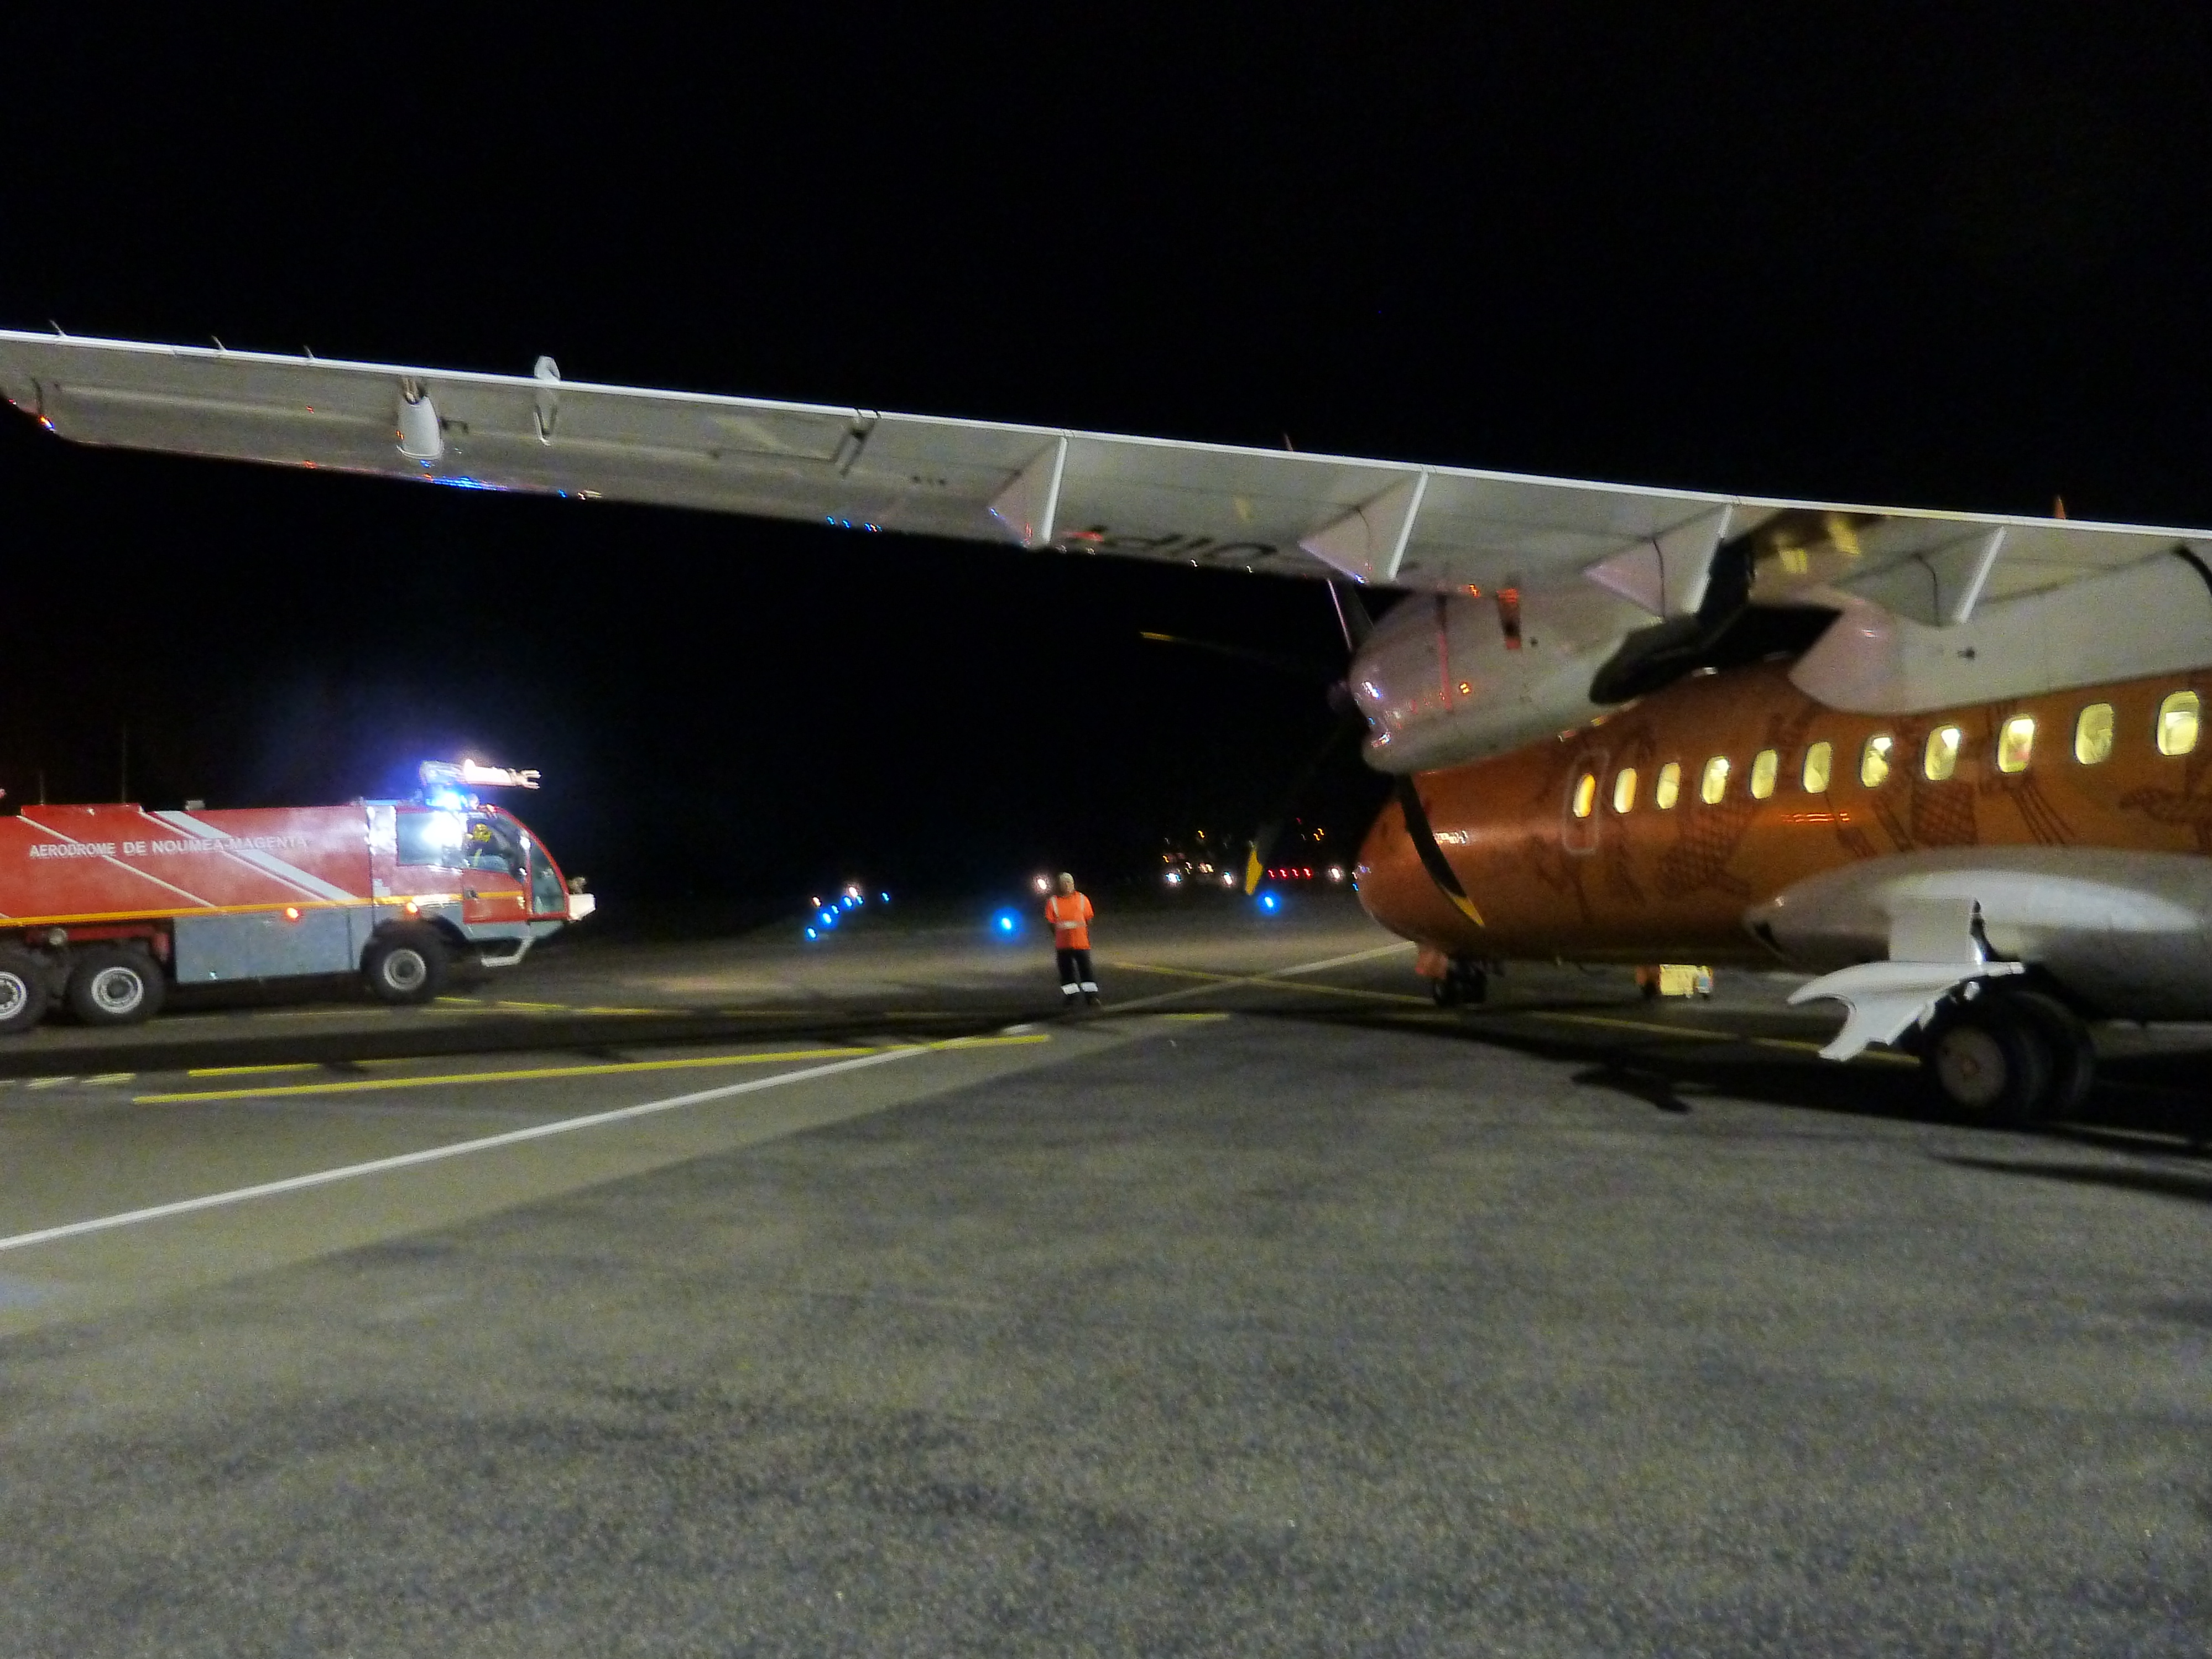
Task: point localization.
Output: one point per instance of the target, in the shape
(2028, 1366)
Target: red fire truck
(105, 907)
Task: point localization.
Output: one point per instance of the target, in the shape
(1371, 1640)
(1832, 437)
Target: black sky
(1855, 255)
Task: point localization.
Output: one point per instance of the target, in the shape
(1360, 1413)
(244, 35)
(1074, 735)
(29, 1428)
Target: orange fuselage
(1654, 882)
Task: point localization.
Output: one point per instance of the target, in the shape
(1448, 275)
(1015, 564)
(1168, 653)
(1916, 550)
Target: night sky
(1959, 265)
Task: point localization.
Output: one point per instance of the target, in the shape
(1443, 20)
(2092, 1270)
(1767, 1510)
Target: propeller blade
(1304, 671)
(1431, 855)
(1263, 841)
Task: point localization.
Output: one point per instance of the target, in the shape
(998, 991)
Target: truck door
(549, 893)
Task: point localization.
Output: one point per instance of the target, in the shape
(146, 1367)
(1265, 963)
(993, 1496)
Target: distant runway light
(1042, 883)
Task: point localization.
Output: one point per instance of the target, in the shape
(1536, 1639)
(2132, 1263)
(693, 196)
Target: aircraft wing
(1392, 523)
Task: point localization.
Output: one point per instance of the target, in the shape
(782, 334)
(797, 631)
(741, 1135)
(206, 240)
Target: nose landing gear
(1463, 982)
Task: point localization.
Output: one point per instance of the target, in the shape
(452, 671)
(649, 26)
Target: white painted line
(1231, 983)
(431, 1155)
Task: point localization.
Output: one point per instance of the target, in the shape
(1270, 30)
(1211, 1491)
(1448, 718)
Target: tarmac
(753, 1296)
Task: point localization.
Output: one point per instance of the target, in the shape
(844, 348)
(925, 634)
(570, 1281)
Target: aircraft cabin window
(1874, 765)
(1585, 795)
(1624, 789)
(1764, 766)
(2015, 743)
(1818, 759)
(2176, 724)
(1668, 789)
(1940, 758)
(1714, 784)
(2093, 734)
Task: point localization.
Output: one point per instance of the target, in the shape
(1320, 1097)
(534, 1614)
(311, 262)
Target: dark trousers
(1075, 974)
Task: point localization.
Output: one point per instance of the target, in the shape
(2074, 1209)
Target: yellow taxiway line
(1695, 1033)
(537, 1073)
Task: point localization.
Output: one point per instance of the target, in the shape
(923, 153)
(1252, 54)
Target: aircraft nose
(1392, 886)
(1400, 893)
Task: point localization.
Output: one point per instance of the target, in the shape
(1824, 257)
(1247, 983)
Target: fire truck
(104, 908)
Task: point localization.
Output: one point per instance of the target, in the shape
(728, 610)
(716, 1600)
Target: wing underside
(1440, 528)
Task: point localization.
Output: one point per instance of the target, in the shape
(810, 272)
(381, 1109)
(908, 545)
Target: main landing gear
(2003, 1056)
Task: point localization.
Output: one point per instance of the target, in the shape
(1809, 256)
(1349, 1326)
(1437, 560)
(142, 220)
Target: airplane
(1947, 763)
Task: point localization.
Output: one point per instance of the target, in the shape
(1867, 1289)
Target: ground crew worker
(1069, 914)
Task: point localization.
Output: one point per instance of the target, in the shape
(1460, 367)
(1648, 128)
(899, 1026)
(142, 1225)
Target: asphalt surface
(851, 1301)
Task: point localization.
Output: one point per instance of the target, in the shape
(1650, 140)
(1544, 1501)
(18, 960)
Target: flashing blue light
(1006, 921)
(451, 799)
(1269, 903)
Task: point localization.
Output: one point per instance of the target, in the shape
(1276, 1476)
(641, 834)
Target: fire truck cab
(104, 908)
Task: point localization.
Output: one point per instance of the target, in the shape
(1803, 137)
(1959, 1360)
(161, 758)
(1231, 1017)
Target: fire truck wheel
(112, 986)
(22, 990)
(406, 966)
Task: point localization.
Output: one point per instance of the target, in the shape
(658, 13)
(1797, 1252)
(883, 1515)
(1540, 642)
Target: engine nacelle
(1446, 678)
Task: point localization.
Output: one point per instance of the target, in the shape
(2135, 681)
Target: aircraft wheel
(1470, 983)
(23, 994)
(112, 986)
(1990, 1061)
(1444, 992)
(2072, 1055)
(408, 965)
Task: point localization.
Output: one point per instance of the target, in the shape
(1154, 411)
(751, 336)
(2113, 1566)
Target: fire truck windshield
(459, 841)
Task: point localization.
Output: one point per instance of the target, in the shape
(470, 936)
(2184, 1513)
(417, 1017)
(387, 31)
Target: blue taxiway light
(811, 933)
(886, 897)
(1006, 921)
(1269, 902)
(847, 902)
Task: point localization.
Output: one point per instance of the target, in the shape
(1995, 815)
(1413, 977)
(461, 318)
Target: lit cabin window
(1764, 766)
(1873, 764)
(1668, 789)
(1585, 795)
(1714, 782)
(2093, 734)
(1940, 758)
(1624, 789)
(2015, 743)
(1818, 759)
(2176, 724)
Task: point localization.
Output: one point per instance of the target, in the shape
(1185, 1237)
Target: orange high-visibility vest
(1070, 916)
